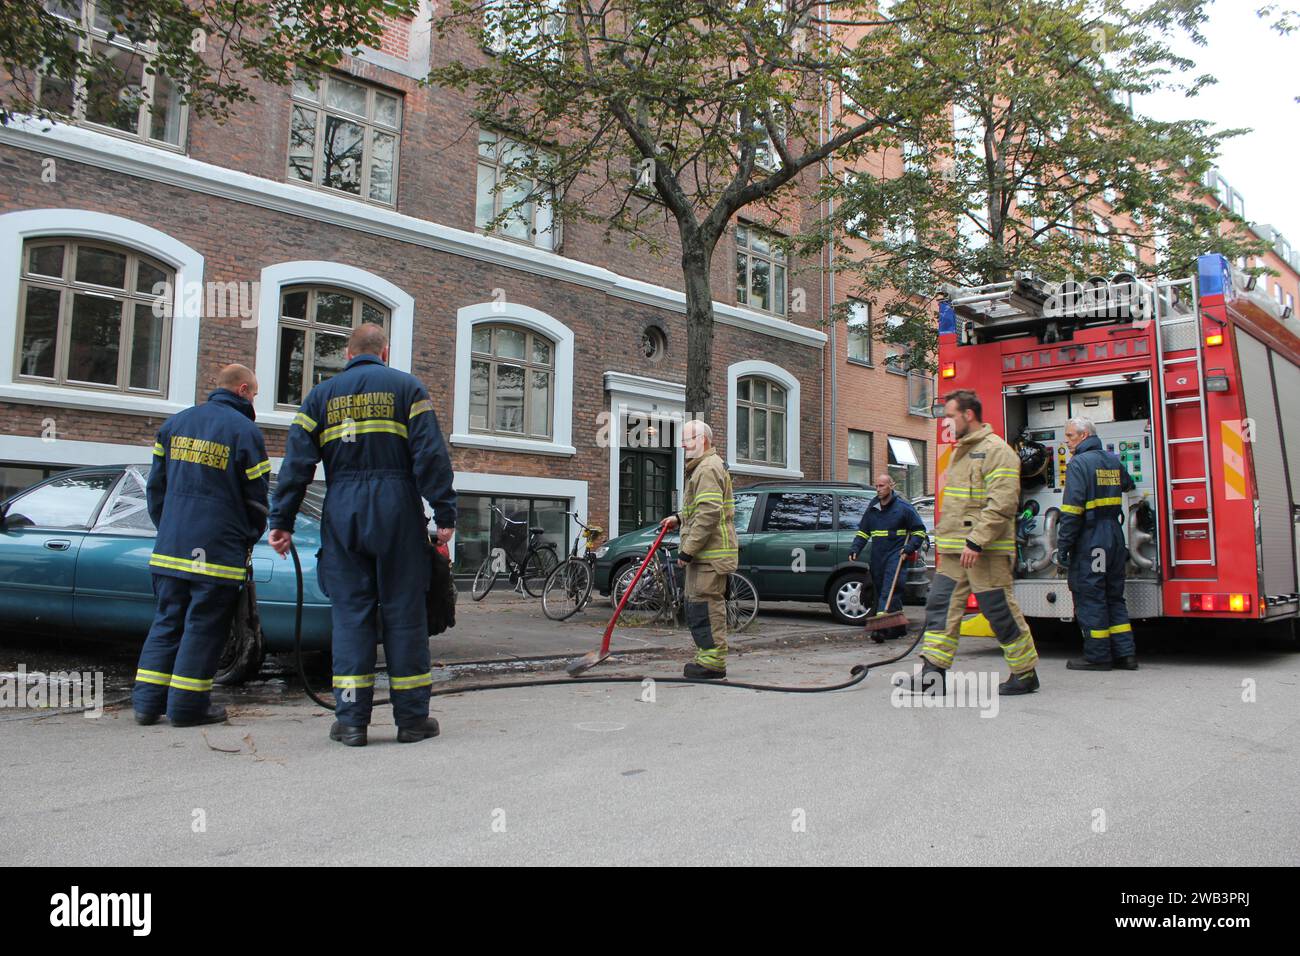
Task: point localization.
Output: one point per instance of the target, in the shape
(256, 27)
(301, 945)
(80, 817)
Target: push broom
(589, 660)
(887, 619)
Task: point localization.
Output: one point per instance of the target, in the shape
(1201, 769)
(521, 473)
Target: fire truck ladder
(1172, 324)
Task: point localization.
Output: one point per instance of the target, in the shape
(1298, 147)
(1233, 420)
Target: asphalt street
(1191, 760)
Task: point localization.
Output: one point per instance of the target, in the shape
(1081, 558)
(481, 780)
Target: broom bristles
(882, 621)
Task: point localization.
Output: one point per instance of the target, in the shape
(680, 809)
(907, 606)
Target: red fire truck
(1194, 383)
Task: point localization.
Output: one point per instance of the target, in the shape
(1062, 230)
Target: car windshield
(311, 502)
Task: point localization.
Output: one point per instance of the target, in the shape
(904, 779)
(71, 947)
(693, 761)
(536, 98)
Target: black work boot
(1025, 683)
(694, 671)
(931, 681)
(146, 720)
(1083, 664)
(1128, 662)
(348, 735)
(414, 733)
(214, 715)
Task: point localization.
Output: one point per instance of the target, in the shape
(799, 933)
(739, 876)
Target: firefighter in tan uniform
(707, 551)
(976, 545)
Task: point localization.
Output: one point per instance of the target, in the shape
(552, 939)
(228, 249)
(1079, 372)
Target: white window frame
(16, 228)
(148, 84)
(546, 235)
(511, 313)
(793, 408)
(400, 304)
(859, 323)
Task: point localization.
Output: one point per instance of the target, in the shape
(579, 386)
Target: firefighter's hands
(852, 556)
(670, 522)
(280, 541)
(444, 535)
(968, 557)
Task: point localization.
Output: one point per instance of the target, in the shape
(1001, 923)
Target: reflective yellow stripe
(158, 450)
(196, 567)
(1099, 633)
(354, 680)
(1072, 509)
(1121, 629)
(419, 408)
(307, 423)
(1003, 473)
(715, 553)
(153, 677)
(410, 683)
(191, 683)
(257, 471)
(365, 427)
(1104, 503)
(862, 534)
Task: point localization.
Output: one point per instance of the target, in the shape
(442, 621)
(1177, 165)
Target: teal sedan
(74, 560)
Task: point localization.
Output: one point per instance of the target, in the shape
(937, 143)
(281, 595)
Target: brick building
(355, 196)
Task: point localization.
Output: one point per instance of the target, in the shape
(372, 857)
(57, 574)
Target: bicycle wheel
(742, 602)
(648, 603)
(566, 589)
(537, 568)
(484, 578)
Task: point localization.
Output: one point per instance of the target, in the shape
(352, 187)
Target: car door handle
(821, 547)
(58, 544)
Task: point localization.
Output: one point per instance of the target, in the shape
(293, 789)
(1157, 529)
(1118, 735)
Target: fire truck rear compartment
(1122, 415)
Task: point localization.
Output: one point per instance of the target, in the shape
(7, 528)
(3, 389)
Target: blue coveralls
(207, 498)
(893, 530)
(1090, 543)
(376, 431)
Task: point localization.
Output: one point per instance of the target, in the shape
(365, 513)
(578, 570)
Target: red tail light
(1217, 603)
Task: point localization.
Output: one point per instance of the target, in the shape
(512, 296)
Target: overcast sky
(1259, 78)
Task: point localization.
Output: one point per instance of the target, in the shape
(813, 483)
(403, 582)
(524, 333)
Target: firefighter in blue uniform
(1090, 545)
(376, 431)
(207, 495)
(896, 533)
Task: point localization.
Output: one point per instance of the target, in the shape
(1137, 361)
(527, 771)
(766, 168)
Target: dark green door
(645, 488)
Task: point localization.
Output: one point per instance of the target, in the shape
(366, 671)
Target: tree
(207, 48)
(1039, 163)
(666, 118)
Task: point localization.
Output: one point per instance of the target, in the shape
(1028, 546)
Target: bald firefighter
(708, 549)
(1090, 545)
(375, 429)
(207, 497)
(976, 544)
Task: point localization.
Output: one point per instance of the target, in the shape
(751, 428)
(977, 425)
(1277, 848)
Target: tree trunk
(696, 260)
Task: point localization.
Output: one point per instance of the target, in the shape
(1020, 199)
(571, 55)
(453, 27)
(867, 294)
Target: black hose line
(857, 674)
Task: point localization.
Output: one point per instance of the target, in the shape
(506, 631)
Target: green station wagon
(794, 541)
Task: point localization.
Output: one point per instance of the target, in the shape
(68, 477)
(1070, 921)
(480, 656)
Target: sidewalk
(506, 626)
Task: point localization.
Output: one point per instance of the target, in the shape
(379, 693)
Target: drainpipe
(829, 276)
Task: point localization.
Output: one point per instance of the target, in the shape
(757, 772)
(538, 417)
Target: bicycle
(660, 597)
(568, 588)
(539, 561)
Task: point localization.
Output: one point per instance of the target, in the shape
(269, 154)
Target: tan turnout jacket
(981, 494)
(708, 514)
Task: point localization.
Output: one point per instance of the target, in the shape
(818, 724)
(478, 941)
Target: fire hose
(857, 674)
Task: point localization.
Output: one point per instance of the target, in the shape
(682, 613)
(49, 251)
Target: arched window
(315, 322)
(760, 421)
(92, 314)
(512, 387)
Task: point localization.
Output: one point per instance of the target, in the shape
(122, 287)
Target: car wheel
(849, 597)
(241, 658)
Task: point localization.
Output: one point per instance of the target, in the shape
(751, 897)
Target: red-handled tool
(589, 660)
